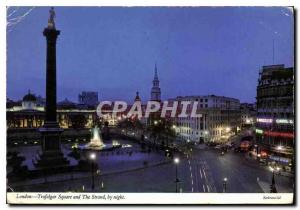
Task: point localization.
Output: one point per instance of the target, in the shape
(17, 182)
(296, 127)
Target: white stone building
(220, 118)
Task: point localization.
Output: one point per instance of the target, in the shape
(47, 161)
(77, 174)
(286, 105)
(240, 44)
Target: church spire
(155, 91)
(155, 73)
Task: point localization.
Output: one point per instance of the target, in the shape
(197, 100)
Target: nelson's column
(51, 155)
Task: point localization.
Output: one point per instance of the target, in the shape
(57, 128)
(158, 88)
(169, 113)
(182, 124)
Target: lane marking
(208, 190)
(204, 174)
(201, 174)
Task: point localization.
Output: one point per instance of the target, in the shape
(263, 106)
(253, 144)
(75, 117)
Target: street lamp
(224, 184)
(273, 186)
(176, 161)
(93, 158)
(155, 122)
(256, 150)
(279, 148)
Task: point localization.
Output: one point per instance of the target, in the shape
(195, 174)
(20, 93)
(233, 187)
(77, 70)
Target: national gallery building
(30, 114)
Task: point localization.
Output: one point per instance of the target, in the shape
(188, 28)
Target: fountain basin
(104, 147)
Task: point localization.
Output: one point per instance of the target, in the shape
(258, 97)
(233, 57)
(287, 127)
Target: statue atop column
(51, 23)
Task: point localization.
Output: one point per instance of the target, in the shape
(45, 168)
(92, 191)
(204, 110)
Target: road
(241, 173)
(201, 171)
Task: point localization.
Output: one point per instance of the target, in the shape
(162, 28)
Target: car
(218, 146)
(211, 144)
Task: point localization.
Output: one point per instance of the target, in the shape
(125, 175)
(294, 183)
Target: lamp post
(279, 148)
(225, 184)
(273, 185)
(93, 158)
(176, 161)
(256, 150)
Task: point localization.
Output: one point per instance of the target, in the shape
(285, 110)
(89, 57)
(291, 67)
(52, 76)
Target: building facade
(88, 98)
(275, 134)
(248, 114)
(220, 118)
(27, 114)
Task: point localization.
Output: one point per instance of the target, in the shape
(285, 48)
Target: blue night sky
(198, 51)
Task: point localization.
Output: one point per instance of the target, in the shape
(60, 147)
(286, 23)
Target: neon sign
(281, 134)
(278, 121)
(264, 120)
(284, 121)
(259, 131)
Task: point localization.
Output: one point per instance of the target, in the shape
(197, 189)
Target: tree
(162, 129)
(98, 122)
(130, 124)
(125, 124)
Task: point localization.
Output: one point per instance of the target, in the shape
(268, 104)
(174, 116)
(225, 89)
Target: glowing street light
(93, 158)
(225, 184)
(155, 122)
(176, 161)
(174, 126)
(227, 129)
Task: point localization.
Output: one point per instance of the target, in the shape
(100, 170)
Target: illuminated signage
(280, 159)
(259, 131)
(284, 121)
(271, 133)
(278, 121)
(264, 120)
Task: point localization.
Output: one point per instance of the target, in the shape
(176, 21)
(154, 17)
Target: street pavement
(203, 170)
(242, 174)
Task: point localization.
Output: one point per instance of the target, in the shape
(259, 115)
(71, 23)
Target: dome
(29, 97)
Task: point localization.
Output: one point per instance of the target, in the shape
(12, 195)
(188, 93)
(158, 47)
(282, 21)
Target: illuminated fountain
(96, 142)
